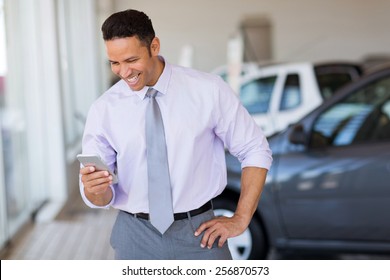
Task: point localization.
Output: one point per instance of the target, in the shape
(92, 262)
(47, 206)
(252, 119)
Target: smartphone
(95, 160)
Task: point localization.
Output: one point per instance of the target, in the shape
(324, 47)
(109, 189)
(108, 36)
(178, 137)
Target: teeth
(132, 79)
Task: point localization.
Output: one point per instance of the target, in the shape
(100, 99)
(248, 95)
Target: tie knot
(151, 92)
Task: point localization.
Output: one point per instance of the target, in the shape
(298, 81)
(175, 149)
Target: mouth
(133, 80)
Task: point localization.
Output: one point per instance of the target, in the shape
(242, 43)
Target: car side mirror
(297, 135)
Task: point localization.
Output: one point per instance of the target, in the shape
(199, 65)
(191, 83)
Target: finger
(208, 237)
(203, 227)
(101, 181)
(95, 186)
(98, 189)
(218, 231)
(87, 170)
(98, 181)
(222, 240)
(94, 176)
(212, 237)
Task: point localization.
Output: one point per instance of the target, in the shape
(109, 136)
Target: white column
(234, 58)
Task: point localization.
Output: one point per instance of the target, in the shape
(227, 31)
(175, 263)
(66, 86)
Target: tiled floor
(78, 233)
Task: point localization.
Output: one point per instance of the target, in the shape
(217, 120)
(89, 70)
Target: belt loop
(190, 221)
(135, 215)
(212, 205)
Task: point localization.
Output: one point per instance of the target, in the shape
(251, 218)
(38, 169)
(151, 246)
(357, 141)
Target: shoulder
(110, 95)
(193, 76)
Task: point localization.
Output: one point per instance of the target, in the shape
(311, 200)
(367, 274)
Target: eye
(114, 63)
(132, 60)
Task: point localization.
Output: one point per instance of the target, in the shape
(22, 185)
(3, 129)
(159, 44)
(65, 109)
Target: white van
(281, 94)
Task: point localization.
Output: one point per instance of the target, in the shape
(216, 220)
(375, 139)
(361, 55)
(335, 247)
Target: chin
(136, 87)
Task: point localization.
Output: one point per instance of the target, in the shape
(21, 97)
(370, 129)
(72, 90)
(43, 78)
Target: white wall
(302, 29)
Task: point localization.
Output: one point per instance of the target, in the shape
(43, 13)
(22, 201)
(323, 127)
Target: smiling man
(138, 65)
(163, 129)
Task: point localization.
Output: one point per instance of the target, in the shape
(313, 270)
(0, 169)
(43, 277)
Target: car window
(291, 95)
(329, 83)
(256, 95)
(364, 116)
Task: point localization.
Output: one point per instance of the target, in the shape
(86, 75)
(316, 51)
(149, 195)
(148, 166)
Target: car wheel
(251, 244)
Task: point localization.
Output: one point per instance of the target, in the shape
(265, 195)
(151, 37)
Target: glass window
(330, 82)
(256, 95)
(80, 72)
(3, 68)
(331, 77)
(291, 95)
(362, 117)
(3, 56)
(14, 175)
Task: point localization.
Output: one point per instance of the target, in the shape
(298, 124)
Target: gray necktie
(160, 195)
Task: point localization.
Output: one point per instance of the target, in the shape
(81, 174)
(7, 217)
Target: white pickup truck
(279, 95)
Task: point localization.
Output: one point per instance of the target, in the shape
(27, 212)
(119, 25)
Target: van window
(291, 95)
(256, 95)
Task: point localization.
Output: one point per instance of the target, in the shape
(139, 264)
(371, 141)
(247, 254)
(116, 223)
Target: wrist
(243, 220)
(101, 199)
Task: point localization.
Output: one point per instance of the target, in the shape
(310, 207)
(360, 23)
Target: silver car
(329, 186)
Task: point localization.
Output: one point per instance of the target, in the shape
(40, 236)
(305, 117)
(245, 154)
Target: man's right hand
(96, 185)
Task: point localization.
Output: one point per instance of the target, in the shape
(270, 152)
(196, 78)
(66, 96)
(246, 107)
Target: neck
(159, 68)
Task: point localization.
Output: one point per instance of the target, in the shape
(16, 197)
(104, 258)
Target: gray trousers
(136, 239)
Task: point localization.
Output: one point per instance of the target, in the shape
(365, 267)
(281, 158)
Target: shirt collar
(162, 83)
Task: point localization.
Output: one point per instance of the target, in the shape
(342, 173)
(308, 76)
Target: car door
(338, 187)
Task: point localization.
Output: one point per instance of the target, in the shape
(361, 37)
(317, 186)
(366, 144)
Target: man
(201, 116)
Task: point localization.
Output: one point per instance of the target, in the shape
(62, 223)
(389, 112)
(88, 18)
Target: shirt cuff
(91, 205)
(259, 160)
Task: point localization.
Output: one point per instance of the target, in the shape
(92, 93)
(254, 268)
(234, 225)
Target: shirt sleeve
(95, 142)
(237, 129)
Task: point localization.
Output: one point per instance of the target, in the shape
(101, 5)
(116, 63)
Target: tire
(252, 243)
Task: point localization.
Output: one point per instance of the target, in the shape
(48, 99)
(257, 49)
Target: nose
(123, 71)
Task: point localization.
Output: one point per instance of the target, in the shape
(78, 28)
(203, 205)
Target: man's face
(132, 62)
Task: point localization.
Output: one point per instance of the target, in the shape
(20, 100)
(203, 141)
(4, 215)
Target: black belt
(180, 216)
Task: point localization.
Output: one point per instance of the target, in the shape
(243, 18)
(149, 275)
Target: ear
(155, 46)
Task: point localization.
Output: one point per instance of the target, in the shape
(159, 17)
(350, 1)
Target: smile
(133, 80)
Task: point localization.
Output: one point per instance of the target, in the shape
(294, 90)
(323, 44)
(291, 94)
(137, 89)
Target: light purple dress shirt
(201, 115)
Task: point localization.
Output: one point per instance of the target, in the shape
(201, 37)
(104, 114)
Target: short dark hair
(129, 23)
